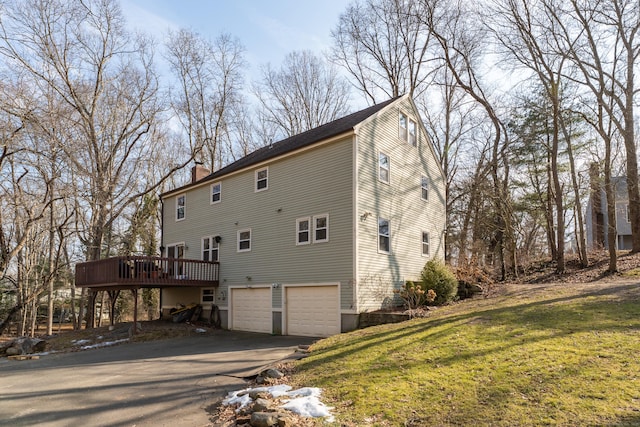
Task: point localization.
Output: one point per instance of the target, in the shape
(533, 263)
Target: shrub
(439, 277)
(414, 295)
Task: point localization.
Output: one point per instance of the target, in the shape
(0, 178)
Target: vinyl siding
(317, 181)
(399, 202)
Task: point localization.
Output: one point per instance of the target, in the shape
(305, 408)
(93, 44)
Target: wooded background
(521, 99)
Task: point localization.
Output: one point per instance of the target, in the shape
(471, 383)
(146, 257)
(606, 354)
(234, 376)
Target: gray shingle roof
(296, 142)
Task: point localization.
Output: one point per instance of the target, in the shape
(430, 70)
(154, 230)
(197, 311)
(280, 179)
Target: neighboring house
(597, 220)
(314, 229)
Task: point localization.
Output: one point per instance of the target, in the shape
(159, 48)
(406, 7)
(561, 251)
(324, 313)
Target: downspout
(356, 294)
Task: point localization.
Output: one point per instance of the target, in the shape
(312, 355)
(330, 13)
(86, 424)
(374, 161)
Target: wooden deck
(129, 272)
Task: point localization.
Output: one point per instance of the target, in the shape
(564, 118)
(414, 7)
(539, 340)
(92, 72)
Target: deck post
(135, 310)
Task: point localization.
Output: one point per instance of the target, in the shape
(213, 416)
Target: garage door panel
(313, 310)
(251, 309)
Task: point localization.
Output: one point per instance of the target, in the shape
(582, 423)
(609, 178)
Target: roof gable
(293, 143)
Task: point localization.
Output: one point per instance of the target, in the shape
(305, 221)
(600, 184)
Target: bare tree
(209, 76)
(81, 53)
(304, 93)
(385, 46)
(601, 39)
(462, 44)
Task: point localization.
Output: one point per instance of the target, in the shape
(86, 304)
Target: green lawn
(536, 355)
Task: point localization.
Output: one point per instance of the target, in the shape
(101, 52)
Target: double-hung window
(216, 192)
(384, 168)
(320, 228)
(424, 187)
(244, 240)
(210, 249)
(181, 202)
(408, 130)
(262, 179)
(403, 126)
(384, 236)
(303, 231)
(425, 243)
(413, 132)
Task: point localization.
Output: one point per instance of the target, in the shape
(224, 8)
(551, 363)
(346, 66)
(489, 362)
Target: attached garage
(250, 309)
(312, 310)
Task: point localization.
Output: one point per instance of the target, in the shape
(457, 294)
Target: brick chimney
(198, 172)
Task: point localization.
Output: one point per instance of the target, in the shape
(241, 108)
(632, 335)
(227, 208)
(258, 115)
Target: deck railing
(146, 271)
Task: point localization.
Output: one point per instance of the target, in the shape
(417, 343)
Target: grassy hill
(530, 354)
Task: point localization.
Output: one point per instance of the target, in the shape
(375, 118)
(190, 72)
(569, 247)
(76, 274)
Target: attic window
(383, 167)
(408, 130)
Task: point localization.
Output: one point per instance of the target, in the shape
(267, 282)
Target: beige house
(314, 229)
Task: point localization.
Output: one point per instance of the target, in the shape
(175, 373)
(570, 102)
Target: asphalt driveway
(159, 383)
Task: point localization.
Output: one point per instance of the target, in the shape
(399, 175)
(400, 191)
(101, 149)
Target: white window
(403, 127)
(244, 240)
(413, 132)
(627, 213)
(216, 192)
(320, 228)
(408, 130)
(425, 243)
(303, 231)
(210, 248)
(424, 187)
(262, 179)
(384, 236)
(207, 295)
(383, 168)
(181, 202)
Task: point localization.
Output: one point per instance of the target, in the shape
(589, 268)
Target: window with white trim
(216, 192)
(383, 167)
(424, 187)
(320, 228)
(210, 249)
(408, 130)
(181, 202)
(403, 126)
(413, 133)
(627, 213)
(384, 236)
(207, 295)
(262, 179)
(244, 240)
(425, 243)
(303, 231)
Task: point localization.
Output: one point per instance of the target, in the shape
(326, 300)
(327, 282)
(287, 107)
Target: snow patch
(103, 344)
(304, 401)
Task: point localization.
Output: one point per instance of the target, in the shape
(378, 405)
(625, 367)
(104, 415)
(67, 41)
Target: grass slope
(534, 355)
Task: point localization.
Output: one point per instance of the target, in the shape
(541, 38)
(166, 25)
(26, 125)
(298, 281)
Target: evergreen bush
(439, 277)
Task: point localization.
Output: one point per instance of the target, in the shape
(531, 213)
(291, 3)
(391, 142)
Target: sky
(268, 29)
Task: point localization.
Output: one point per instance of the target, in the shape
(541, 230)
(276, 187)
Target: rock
(264, 419)
(13, 351)
(26, 345)
(286, 421)
(272, 373)
(259, 395)
(260, 379)
(262, 405)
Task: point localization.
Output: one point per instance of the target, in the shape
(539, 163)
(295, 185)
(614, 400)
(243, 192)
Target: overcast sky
(268, 29)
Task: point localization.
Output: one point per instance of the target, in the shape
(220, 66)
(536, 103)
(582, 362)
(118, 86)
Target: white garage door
(251, 309)
(313, 311)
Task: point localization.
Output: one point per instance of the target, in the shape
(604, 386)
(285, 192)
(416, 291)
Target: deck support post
(135, 310)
